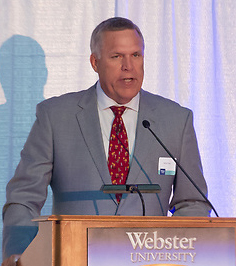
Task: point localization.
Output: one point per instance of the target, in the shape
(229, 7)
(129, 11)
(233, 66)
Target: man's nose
(127, 64)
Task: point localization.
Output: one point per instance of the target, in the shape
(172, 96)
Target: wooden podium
(63, 240)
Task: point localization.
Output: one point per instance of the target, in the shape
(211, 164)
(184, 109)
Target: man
(70, 147)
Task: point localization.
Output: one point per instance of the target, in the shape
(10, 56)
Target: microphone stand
(134, 188)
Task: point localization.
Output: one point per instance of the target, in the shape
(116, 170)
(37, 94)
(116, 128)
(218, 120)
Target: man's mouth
(128, 80)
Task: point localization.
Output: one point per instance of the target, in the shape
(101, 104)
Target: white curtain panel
(190, 57)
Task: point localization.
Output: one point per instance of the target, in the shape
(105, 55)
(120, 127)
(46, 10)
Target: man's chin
(125, 98)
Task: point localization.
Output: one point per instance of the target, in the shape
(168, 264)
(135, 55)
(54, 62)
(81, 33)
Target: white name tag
(166, 166)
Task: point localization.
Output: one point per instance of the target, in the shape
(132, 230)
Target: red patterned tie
(118, 157)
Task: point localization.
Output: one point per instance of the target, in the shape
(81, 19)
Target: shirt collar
(104, 102)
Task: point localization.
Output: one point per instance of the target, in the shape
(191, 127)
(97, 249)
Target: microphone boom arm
(146, 124)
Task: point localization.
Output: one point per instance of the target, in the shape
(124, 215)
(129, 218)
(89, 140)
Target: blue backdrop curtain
(190, 57)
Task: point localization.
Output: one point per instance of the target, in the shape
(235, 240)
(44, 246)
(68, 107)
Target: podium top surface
(161, 219)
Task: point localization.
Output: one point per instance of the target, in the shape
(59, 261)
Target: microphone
(130, 188)
(134, 188)
(146, 124)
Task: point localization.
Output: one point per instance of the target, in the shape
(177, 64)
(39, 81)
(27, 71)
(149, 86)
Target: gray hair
(111, 24)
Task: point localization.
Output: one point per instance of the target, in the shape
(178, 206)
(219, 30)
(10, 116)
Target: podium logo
(152, 241)
(151, 247)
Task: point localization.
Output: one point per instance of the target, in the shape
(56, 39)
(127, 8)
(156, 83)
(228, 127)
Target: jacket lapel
(88, 120)
(143, 142)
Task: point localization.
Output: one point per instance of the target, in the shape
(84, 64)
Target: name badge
(166, 166)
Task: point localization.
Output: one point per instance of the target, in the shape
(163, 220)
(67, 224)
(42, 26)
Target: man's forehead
(120, 38)
(120, 32)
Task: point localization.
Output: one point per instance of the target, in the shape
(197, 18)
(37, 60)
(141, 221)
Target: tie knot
(118, 110)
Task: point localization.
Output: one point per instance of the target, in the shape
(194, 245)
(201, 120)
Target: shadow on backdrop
(23, 74)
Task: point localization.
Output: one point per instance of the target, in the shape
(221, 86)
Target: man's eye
(136, 55)
(115, 56)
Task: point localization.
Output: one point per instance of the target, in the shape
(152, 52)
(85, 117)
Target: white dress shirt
(106, 117)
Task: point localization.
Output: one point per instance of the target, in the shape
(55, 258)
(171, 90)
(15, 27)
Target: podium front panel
(128, 240)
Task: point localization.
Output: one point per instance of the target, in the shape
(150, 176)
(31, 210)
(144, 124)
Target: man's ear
(94, 62)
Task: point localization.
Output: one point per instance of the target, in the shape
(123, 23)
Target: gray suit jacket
(65, 150)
